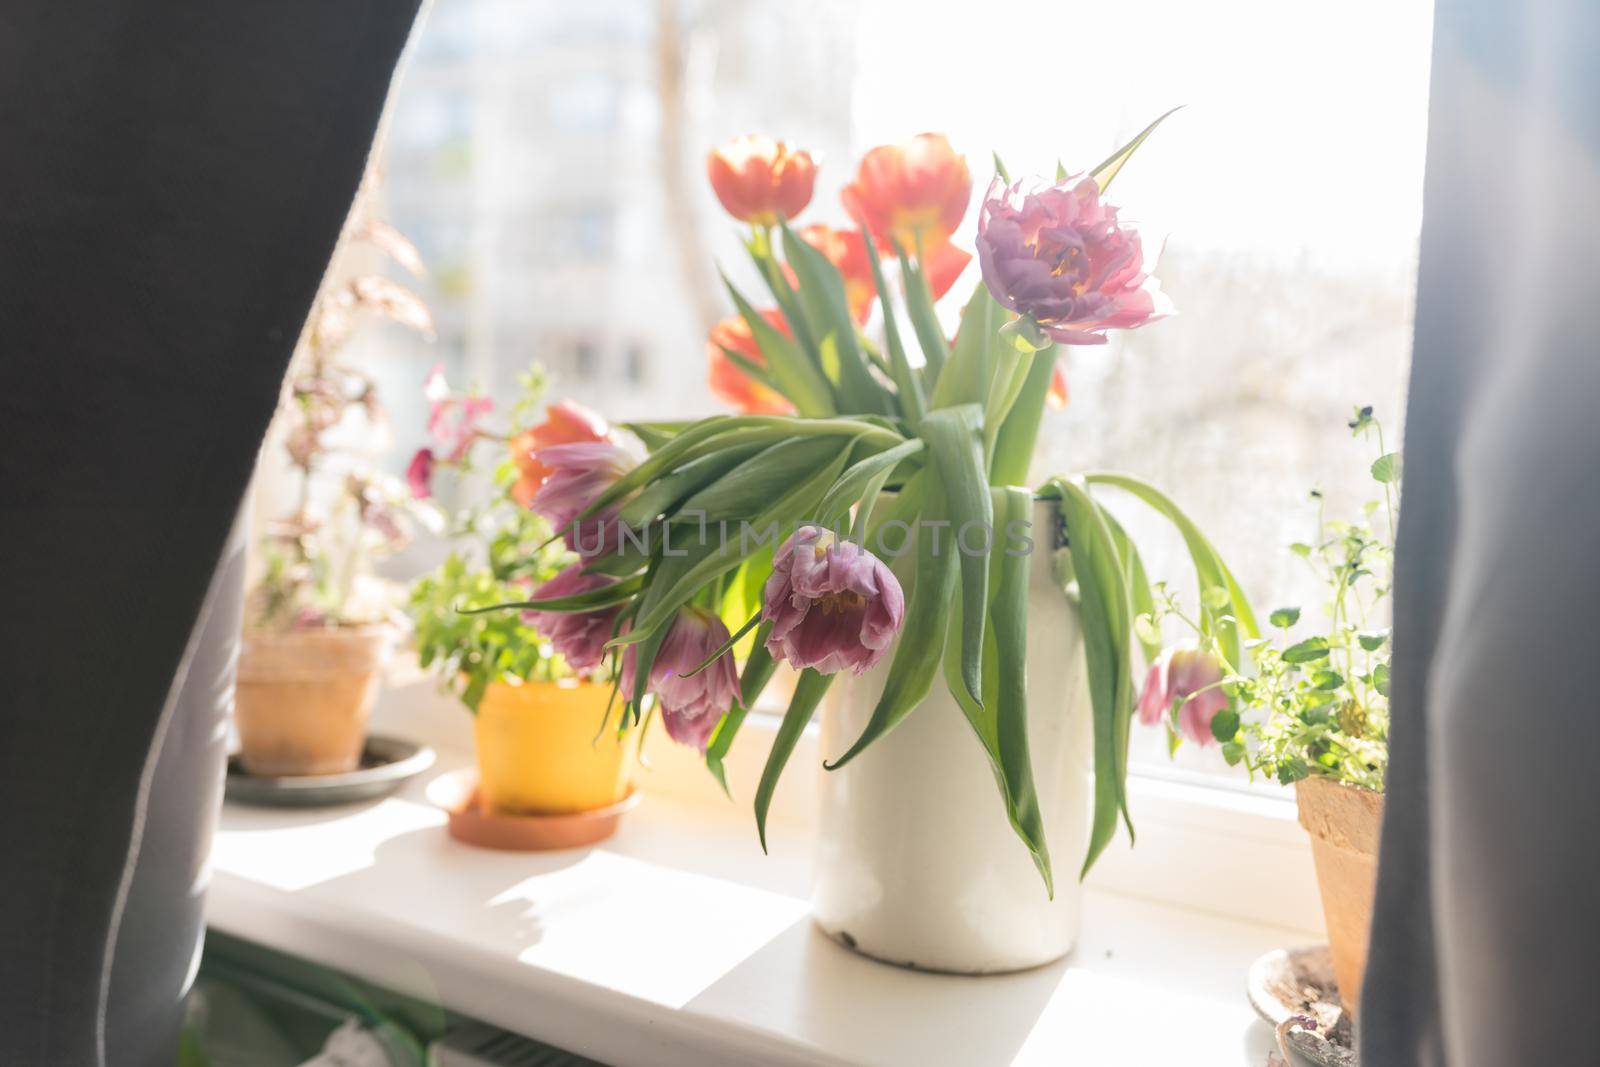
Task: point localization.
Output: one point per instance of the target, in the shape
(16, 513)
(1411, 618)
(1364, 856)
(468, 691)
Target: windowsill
(677, 942)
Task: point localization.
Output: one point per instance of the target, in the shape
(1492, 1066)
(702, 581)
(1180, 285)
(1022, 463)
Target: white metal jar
(917, 863)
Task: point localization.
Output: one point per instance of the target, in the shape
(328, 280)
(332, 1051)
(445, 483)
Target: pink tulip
(452, 418)
(1184, 674)
(419, 474)
(579, 637)
(579, 473)
(691, 705)
(1058, 254)
(832, 604)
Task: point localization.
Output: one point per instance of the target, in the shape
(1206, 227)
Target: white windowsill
(677, 942)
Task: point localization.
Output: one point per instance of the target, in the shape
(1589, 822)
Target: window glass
(548, 158)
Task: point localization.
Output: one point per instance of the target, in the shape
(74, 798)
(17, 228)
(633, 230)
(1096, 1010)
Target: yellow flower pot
(538, 753)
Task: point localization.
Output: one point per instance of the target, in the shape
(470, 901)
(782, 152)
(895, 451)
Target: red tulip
(729, 382)
(760, 180)
(916, 193)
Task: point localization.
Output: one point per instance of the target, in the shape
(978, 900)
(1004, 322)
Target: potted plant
(1313, 710)
(867, 520)
(318, 622)
(538, 714)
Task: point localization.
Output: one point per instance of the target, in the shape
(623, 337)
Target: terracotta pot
(1343, 821)
(304, 699)
(539, 753)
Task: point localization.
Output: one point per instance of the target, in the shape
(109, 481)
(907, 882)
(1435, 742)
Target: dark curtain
(1485, 932)
(173, 177)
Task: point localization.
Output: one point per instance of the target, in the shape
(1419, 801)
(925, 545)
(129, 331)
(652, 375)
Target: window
(532, 149)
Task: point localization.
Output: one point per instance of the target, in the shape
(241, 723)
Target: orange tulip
(729, 382)
(565, 423)
(916, 193)
(760, 180)
(847, 251)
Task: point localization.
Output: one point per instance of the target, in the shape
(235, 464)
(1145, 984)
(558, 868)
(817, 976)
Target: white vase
(917, 863)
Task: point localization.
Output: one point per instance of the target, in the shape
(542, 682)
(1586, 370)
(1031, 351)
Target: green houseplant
(1312, 710)
(534, 710)
(319, 623)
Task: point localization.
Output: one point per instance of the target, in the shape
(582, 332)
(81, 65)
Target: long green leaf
(924, 320)
(955, 441)
(594, 599)
(790, 507)
(1001, 724)
(784, 294)
(1109, 167)
(932, 581)
(754, 484)
(719, 432)
(853, 485)
(1210, 569)
(655, 434)
(965, 379)
(1140, 597)
(912, 401)
(823, 299)
(797, 376)
(807, 694)
(666, 492)
(1103, 611)
(1009, 624)
(1013, 446)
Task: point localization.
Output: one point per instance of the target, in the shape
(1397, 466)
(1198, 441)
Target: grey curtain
(173, 177)
(1485, 933)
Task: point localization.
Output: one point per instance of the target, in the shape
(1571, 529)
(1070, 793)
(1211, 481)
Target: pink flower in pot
(1058, 255)
(1184, 674)
(832, 604)
(419, 474)
(452, 418)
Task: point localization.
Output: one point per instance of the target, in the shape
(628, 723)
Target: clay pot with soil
(304, 698)
(1344, 821)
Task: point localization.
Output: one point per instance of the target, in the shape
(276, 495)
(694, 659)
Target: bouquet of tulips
(869, 503)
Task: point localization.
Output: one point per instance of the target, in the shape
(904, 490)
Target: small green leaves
(1386, 468)
(1225, 725)
(1380, 678)
(1291, 771)
(1326, 678)
(1308, 651)
(1284, 618)
(1372, 640)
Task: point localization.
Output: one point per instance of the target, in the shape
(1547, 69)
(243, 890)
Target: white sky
(1303, 131)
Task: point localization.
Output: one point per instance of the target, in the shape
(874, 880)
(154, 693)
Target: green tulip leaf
(808, 692)
(1112, 165)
